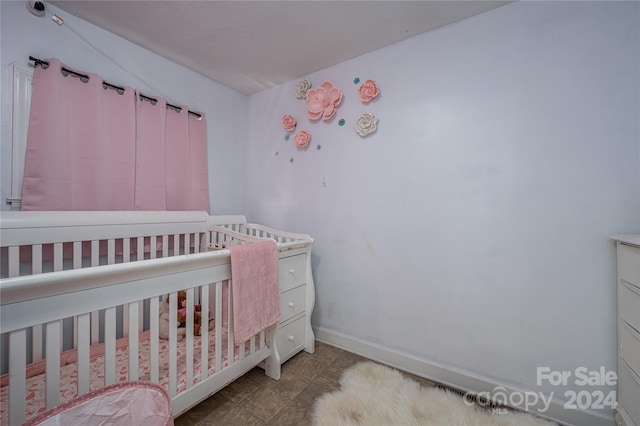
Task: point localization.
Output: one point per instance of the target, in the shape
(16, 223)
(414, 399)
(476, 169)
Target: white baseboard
(455, 378)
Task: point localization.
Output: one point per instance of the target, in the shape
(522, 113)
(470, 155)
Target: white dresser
(296, 303)
(628, 259)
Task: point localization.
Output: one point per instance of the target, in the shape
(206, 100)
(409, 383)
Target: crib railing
(238, 224)
(285, 240)
(220, 237)
(97, 238)
(72, 240)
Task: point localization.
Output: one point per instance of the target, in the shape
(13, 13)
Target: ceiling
(253, 45)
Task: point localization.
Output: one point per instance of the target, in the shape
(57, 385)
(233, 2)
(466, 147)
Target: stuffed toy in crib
(197, 316)
(164, 322)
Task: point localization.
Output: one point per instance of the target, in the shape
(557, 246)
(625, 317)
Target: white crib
(80, 292)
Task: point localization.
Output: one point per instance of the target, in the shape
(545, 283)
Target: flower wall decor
(302, 138)
(323, 101)
(289, 123)
(368, 90)
(366, 124)
(301, 88)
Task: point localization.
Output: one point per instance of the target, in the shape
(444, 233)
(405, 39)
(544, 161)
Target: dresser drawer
(629, 392)
(290, 338)
(292, 270)
(629, 304)
(292, 302)
(630, 347)
(629, 264)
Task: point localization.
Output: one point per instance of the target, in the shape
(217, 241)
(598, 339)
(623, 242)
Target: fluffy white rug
(375, 395)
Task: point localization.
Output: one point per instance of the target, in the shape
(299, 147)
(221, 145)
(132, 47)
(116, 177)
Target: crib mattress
(35, 385)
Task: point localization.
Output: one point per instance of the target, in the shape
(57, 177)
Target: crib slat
(75, 335)
(187, 243)
(95, 327)
(36, 259)
(173, 346)
(111, 251)
(53, 336)
(154, 313)
(14, 261)
(196, 242)
(125, 320)
(189, 339)
(152, 247)
(57, 257)
(230, 344)
(17, 376)
(140, 316)
(95, 253)
(95, 317)
(165, 246)
(77, 254)
(218, 314)
(133, 341)
(140, 249)
(83, 330)
(204, 343)
(57, 266)
(176, 244)
(36, 342)
(126, 250)
(36, 331)
(109, 346)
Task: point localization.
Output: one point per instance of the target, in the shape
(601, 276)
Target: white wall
(23, 34)
(471, 231)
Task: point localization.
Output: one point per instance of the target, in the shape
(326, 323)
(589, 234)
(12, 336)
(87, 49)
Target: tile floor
(255, 399)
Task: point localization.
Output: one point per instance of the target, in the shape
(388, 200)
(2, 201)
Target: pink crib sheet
(35, 386)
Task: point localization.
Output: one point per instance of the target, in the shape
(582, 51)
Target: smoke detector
(36, 7)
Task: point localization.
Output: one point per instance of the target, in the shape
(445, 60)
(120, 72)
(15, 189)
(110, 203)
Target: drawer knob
(292, 271)
(291, 304)
(291, 338)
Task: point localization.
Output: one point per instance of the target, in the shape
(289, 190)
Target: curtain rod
(85, 78)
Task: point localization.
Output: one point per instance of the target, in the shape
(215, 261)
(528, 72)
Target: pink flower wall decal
(323, 101)
(288, 122)
(302, 138)
(368, 90)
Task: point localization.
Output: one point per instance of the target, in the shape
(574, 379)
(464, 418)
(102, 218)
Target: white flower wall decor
(300, 91)
(366, 124)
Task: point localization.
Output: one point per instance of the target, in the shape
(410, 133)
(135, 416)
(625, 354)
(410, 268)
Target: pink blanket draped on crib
(255, 288)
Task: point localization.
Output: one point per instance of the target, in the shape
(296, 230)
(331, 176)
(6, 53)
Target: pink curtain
(199, 187)
(75, 131)
(91, 148)
(115, 152)
(150, 152)
(177, 159)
